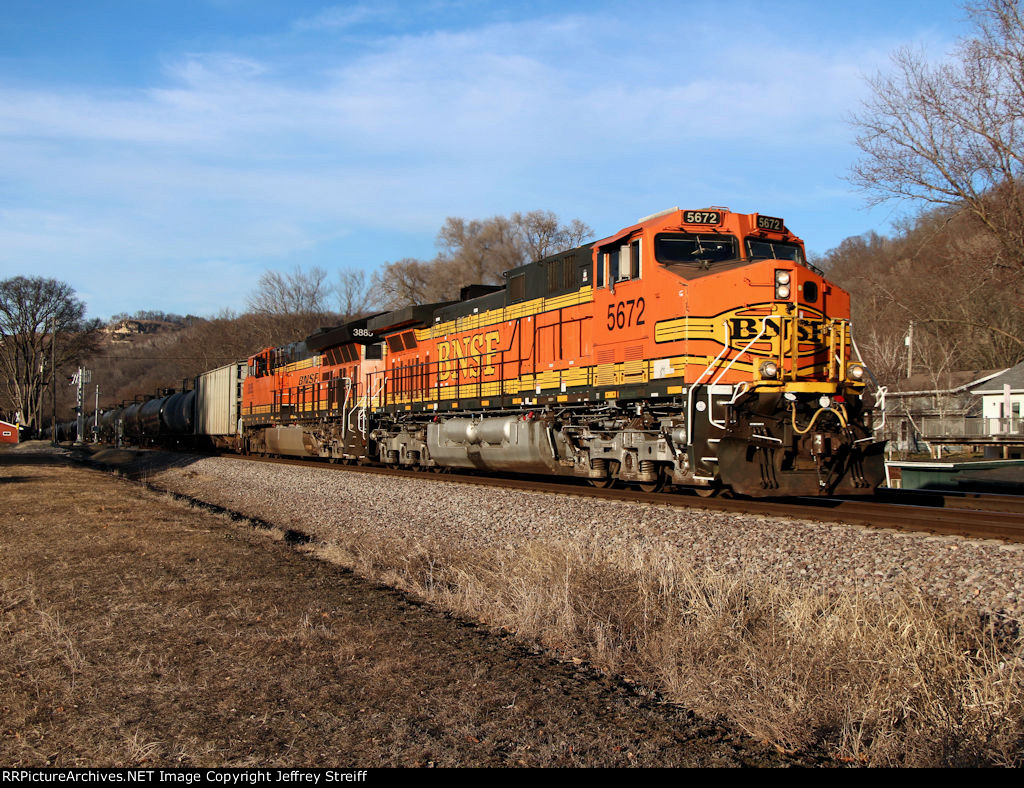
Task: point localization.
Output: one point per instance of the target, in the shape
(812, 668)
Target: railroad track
(970, 515)
(953, 500)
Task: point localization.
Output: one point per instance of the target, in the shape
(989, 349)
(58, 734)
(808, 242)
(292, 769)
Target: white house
(1002, 401)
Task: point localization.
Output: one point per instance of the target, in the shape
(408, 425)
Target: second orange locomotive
(695, 347)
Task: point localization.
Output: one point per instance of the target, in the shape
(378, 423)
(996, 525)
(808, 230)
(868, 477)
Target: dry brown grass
(898, 680)
(135, 630)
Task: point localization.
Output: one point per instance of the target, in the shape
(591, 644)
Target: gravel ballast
(826, 557)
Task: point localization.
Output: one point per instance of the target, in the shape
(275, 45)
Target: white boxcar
(219, 400)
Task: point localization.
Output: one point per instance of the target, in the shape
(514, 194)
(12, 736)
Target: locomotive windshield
(759, 249)
(691, 248)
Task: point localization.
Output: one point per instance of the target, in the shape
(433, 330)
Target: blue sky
(162, 155)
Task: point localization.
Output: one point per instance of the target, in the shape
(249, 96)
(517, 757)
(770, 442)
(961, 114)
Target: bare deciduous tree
(953, 134)
(354, 290)
(296, 293)
(542, 234)
(478, 251)
(41, 320)
(406, 282)
(290, 306)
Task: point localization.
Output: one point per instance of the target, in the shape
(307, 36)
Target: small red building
(8, 432)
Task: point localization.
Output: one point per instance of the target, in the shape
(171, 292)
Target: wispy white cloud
(343, 17)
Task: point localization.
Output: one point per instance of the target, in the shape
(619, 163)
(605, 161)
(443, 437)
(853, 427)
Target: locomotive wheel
(708, 492)
(655, 486)
(603, 484)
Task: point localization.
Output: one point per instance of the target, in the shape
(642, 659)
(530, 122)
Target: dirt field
(137, 630)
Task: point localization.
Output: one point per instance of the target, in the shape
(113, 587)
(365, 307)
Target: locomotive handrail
(881, 392)
(421, 381)
(344, 405)
(739, 386)
(787, 352)
(837, 349)
(374, 394)
(750, 344)
(711, 364)
(689, 395)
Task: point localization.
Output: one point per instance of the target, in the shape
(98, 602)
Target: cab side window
(622, 262)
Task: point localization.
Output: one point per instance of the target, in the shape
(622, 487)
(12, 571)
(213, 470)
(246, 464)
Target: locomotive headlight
(855, 371)
(782, 279)
(769, 370)
(824, 401)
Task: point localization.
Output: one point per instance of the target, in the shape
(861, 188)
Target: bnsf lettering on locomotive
(306, 380)
(467, 355)
(743, 329)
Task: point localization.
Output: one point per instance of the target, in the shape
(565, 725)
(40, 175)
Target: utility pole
(909, 341)
(40, 398)
(53, 378)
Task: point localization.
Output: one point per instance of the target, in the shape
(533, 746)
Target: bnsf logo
(744, 329)
(467, 355)
(306, 380)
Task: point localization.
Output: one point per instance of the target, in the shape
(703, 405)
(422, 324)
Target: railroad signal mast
(80, 379)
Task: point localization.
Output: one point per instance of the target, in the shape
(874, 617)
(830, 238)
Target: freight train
(204, 416)
(695, 348)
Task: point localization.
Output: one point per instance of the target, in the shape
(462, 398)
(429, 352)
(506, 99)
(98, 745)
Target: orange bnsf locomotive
(695, 348)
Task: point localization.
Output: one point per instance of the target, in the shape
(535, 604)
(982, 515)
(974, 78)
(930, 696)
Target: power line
(164, 358)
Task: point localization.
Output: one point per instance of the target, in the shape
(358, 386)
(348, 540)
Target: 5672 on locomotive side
(696, 348)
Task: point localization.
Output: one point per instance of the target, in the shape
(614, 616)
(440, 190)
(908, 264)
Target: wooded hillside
(942, 272)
